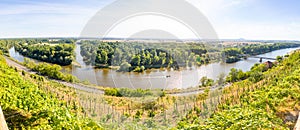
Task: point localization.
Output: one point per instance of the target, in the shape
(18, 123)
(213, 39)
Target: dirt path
(72, 85)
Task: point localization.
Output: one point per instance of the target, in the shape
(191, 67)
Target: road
(71, 85)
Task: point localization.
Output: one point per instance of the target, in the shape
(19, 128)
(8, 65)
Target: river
(155, 78)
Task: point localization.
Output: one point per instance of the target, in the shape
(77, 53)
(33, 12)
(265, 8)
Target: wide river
(155, 78)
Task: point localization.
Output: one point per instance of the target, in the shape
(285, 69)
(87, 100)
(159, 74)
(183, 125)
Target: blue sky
(232, 19)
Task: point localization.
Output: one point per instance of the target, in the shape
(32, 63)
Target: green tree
(136, 60)
(232, 76)
(125, 66)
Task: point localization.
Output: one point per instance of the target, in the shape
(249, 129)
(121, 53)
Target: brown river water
(155, 78)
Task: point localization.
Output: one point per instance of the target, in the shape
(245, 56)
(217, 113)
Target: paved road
(72, 85)
(17, 65)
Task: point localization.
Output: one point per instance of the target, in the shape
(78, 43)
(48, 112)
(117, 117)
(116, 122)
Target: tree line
(137, 56)
(5, 44)
(231, 55)
(52, 71)
(140, 56)
(57, 52)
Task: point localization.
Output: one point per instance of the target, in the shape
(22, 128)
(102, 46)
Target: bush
(126, 92)
(112, 92)
(52, 71)
(125, 67)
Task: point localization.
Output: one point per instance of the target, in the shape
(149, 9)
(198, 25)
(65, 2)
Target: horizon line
(120, 38)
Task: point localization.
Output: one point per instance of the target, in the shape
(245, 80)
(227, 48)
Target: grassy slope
(32, 102)
(272, 103)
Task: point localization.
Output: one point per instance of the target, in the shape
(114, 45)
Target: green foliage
(254, 75)
(231, 55)
(27, 106)
(238, 118)
(125, 67)
(62, 53)
(261, 104)
(126, 92)
(235, 75)
(256, 49)
(52, 71)
(143, 56)
(279, 58)
(206, 82)
(112, 92)
(138, 114)
(5, 45)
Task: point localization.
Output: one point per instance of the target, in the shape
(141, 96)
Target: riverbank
(93, 88)
(156, 78)
(81, 87)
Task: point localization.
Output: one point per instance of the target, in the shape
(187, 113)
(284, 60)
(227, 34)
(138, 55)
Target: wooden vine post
(3, 125)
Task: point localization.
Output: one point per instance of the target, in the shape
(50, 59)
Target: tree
(104, 57)
(62, 54)
(279, 58)
(241, 75)
(136, 60)
(203, 81)
(125, 67)
(232, 76)
(206, 82)
(256, 76)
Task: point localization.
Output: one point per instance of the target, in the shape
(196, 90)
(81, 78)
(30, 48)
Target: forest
(140, 56)
(235, 54)
(58, 51)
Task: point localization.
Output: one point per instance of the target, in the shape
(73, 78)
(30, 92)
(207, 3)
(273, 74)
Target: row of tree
(231, 55)
(52, 71)
(5, 45)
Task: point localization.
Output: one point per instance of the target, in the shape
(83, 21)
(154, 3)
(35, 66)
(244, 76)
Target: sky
(231, 19)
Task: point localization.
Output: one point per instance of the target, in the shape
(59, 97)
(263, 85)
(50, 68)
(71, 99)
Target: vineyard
(271, 103)
(32, 102)
(264, 97)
